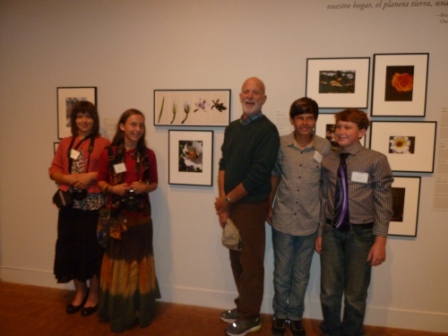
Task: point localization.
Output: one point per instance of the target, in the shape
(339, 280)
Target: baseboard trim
(376, 316)
(31, 277)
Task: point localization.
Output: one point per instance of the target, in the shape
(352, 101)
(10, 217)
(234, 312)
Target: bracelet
(105, 186)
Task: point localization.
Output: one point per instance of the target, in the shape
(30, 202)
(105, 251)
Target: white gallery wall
(129, 48)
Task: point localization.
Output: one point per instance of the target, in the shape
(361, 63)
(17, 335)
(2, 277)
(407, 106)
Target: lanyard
(70, 160)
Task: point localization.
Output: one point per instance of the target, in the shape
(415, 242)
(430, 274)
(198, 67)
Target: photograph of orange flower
(399, 83)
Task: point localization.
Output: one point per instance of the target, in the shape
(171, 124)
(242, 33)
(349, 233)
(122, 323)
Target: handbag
(231, 236)
(62, 199)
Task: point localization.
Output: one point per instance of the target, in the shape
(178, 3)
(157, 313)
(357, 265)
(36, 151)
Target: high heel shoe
(71, 309)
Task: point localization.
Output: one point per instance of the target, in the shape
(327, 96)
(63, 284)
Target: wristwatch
(228, 199)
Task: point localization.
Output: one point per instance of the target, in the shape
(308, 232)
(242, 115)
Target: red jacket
(60, 161)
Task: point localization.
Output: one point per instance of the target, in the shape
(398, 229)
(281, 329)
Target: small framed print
(192, 108)
(325, 127)
(55, 146)
(399, 85)
(66, 98)
(338, 82)
(190, 156)
(408, 145)
(405, 195)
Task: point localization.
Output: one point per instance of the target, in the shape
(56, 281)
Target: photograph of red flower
(399, 83)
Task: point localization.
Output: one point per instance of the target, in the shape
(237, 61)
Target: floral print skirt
(128, 283)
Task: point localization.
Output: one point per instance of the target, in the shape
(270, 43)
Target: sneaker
(230, 316)
(278, 327)
(297, 328)
(243, 327)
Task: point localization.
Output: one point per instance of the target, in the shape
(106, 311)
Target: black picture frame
(406, 200)
(338, 83)
(66, 97)
(399, 85)
(190, 157)
(408, 145)
(192, 108)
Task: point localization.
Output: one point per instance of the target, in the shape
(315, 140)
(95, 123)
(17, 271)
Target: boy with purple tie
(352, 240)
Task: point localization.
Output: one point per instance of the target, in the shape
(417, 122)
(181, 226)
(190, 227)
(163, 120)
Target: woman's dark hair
(302, 106)
(86, 108)
(119, 134)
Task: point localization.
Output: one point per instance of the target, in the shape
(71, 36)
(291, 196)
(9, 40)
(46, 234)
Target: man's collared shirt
(297, 204)
(251, 118)
(369, 188)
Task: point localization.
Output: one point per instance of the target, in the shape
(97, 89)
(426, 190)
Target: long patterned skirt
(128, 283)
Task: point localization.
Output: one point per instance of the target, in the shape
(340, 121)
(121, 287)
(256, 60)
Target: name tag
(119, 168)
(74, 154)
(317, 156)
(360, 177)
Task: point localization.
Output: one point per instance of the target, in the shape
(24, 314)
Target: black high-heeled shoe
(71, 309)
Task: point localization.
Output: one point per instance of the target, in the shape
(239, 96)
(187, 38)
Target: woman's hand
(143, 188)
(139, 187)
(82, 181)
(119, 189)
(67, 179)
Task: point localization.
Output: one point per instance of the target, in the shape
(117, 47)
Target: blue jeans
(292, 256)
(344, 270)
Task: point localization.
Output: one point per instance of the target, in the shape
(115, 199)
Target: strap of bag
(70, 160)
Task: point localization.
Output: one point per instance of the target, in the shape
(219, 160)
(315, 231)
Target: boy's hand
(377, 253)
(318, 245)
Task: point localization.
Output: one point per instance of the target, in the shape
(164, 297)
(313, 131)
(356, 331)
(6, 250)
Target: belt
(355, 226)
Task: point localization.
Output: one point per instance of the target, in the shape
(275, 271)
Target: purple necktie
(341, 218)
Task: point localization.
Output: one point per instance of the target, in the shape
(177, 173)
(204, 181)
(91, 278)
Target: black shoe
(89, 311)
(71, 309)
(297, 328)
(278, 327)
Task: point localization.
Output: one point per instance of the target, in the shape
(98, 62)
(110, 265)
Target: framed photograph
(192, 108)
(338, 82)
(408, 145)
(55, 146)
(66, 98)
(406, 195)
(325, 127)
(190, 156)
(399, 85)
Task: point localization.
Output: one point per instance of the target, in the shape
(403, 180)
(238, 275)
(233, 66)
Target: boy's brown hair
(358, 117)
